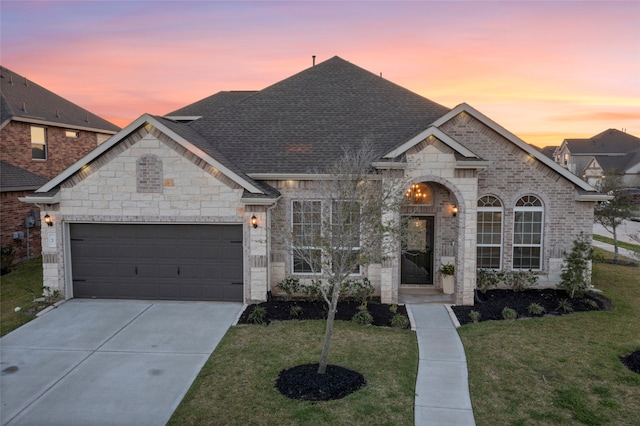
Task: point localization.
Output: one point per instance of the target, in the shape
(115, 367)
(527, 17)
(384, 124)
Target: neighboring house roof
(548, 151)
(24, 100)
(14, 178)
(610, 141)
(306, 120)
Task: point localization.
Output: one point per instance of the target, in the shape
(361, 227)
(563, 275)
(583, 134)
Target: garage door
(172, 262)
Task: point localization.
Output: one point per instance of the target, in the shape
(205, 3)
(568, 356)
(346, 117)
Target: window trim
(533, 209)
(491, 209)
(293, 254)
(42, 144)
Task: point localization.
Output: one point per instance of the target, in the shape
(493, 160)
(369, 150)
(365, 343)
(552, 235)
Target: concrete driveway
(103, 362)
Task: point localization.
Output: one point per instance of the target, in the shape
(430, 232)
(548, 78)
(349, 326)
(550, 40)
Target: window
(489, 243)
(527, 233)
(345, 232)
(38, 143)
(306, 221)
(71, 133)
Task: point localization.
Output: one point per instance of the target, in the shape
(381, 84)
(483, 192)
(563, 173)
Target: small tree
(575, 270)
(345, 227)
(610, 214)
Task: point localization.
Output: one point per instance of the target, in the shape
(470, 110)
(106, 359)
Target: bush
(6, 259)
(399, 321)
(487, 278)
(475, 316)
(565, 306)
(393, 308)
(575, 272)
(290, 286)
(258, 315)
(359, 291)
(362, 317)
(536, 309)
(295, 311)
(509, 314)
(520, 280)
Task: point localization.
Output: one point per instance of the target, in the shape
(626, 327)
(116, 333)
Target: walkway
(442, 388)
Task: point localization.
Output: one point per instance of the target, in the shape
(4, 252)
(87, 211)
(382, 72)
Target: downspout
(268, 211)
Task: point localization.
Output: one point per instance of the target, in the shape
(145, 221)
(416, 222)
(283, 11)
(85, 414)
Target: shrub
(258, 315)
(535, 309)
(290, 286)
(591, 303)
(575, 272)
(487, 278)
(565, 306)
(360, 291)
(362, 317)
(393, 308)
(313, 291)
(509, 314)
(475, 316)
(399, 321)
(520, 280)
(6, 258)
(295, 311)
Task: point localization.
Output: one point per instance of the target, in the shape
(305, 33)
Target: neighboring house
(180, 207)
(41, 134)
(592, 158)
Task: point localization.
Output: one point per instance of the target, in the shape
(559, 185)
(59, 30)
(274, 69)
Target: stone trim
(149, 174)
(232, 220)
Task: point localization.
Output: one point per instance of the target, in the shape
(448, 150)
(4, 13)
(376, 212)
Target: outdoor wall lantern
(48, 220)
(454, 211)
(254, 221)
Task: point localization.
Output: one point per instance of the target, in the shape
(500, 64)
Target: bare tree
(610, 214)
(351, 223)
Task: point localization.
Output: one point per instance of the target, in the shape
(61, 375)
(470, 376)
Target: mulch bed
(280, 310)
(304, 382)
(632, 361)
(491, 303)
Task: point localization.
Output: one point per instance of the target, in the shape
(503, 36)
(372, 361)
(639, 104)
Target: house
(592, 158)
(41, 135)
(180, 206)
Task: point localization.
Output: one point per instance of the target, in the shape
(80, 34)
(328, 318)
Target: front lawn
(236, 385)
(560, 370)
(17, 290)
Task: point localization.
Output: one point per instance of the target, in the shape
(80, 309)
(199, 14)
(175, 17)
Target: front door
(417, 253)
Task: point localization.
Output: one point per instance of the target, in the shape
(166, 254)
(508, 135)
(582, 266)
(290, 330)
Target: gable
(140, 129)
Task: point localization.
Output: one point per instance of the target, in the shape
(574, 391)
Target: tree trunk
(615, 246)
(328, 334)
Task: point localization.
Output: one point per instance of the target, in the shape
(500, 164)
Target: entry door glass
(417, 256)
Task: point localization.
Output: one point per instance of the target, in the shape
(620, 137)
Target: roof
(306, 120)
(14, 178)
(211, 104)
(24, 100)
(610, 141)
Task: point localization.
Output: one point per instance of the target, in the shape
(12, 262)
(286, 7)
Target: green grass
(622, 244)
(18, 289)
(560, 370)
(236, 385)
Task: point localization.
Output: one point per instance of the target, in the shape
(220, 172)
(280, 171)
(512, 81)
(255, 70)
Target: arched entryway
(430, 218)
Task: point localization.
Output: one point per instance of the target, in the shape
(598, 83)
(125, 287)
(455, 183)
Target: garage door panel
(176, 262)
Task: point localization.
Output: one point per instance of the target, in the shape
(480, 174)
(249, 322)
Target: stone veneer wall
(193, 192)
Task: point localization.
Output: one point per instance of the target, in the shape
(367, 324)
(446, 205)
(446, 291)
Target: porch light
(254, 221)
(48, 220)
(454, 211)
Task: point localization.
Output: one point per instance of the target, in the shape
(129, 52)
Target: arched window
(527, 233)
(419, 193)
(489, 242)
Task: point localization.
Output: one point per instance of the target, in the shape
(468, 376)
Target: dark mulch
(492, 302)
(280, 310)
(632, 361)
(304, 382)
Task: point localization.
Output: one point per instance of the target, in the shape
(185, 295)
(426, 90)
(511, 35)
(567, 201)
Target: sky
(543, 70)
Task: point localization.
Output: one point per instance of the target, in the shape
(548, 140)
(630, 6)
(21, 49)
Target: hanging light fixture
(254, 221)
(48, 220)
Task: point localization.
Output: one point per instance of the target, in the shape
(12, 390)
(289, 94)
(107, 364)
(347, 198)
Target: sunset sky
(546, 71)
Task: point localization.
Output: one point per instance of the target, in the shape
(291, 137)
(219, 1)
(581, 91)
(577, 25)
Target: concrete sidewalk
(609, 247)
(442, 388)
